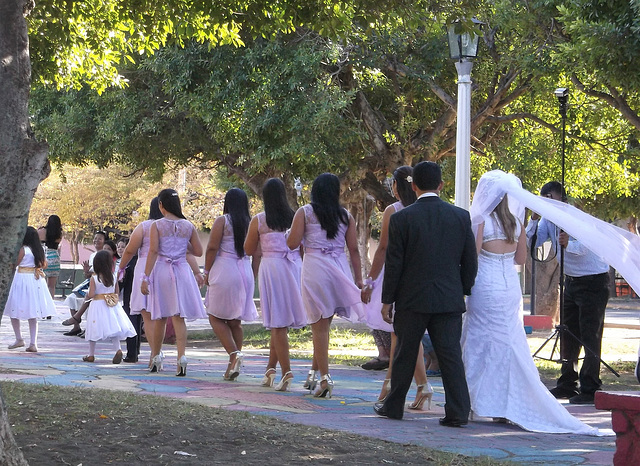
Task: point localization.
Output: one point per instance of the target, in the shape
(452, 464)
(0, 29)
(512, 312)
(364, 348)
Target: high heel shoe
(182, 366)
(324, 392)
(384, 393)
(269, 377)
(234, 370)
(311, 381)
(156, 364)
(285, 381)
(422, 395)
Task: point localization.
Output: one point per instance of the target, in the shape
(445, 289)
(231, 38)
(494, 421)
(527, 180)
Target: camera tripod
(562, 331)
(559, 331)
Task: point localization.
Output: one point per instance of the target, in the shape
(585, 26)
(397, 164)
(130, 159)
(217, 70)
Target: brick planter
(625, 421)
(540, 322)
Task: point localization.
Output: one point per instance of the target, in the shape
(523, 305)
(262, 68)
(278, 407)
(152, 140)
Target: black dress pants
(445, 330)
(585, 301)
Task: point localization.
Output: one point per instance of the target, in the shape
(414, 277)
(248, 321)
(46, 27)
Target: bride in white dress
(503, 380)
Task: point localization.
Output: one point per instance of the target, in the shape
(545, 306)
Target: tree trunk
(360, 205)
(23, 164)
(548, 290)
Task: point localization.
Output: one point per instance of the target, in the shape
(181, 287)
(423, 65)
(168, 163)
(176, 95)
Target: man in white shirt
(586, 293)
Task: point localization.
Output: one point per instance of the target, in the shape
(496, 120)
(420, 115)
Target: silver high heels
(311, 381)
(422, 395)
(285, 381)
(156, 364)
(324, 392)
(182, 366)
(384, 393)
(234, 370)
(269, 377)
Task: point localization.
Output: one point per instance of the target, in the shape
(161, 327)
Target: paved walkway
(59, 362)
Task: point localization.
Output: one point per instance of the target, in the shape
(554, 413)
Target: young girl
(327, 282)
(29, 297)
(51, 236)
(228, 274)
(173, 290)
(372, 291)
(106, 320)
(279, 278)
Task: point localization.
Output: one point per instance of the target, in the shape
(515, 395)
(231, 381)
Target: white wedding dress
(502, 377)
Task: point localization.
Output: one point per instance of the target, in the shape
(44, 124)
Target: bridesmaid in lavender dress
(173, 290)
(278, 278)
(372, 291)
(229, 298)
(327, 282)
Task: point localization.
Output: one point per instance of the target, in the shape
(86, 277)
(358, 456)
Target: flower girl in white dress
(106, 320)
(29, 298)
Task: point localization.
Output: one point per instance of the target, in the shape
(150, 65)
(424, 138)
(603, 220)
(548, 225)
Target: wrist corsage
(369, 283)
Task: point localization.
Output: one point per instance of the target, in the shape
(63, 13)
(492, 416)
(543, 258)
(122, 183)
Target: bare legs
(419, 374)
(158, 328)
(320, 335)
(279, 349)
(149, 326)
(181, 334)
(230, 334)
(51, 284)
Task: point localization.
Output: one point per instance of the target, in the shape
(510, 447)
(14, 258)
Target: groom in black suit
(431, 264)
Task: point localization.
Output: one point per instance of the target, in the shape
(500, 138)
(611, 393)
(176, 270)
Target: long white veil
(618, 247)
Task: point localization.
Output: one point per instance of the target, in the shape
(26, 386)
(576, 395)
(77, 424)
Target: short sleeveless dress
(29, 296)
(173, 290)
(105, 322)
(279, 280)
(373, 315)
(503, 379)
(138, 301)
(327, 282)
(53, 261)
(231, 285)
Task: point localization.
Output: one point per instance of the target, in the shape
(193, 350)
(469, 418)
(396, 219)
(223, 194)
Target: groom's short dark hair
(427, 176)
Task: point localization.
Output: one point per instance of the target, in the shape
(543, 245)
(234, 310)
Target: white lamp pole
(463, 47)
(463, 135)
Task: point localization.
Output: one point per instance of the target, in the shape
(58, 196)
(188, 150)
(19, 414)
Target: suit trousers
(445, 330)
(585, 301)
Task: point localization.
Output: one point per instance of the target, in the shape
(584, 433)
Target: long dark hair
(236, 204)
(277, 210)
(325, 200)
(405, 191)
(103, 267)
(32, 240)
(113, 247)
(154, 209)
(171, 202)
(53, 231)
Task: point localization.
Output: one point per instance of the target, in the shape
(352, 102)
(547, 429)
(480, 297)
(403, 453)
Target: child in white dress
(106, 320)
(29, 298)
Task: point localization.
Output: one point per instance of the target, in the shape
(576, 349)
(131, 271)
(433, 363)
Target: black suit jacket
(431, 260)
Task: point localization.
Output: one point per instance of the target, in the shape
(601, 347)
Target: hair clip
(409, 179)
(174, 193)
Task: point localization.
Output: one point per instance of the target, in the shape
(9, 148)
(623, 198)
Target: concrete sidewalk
(59, 362)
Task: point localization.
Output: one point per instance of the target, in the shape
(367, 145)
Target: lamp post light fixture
(463, 47)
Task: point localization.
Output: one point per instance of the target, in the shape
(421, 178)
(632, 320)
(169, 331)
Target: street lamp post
(463, 47)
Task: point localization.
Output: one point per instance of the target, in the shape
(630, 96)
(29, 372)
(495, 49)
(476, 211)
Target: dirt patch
(61, 425)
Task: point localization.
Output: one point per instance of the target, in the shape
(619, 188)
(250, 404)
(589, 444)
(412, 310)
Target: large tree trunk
(23, 164)
(548, 290)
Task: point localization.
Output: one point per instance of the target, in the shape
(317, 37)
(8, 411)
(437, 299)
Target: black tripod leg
(586, 349)
(555, 335)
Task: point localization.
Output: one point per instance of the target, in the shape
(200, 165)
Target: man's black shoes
(562, 392)
(582, 399)
(381, 411)
(453, 422)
